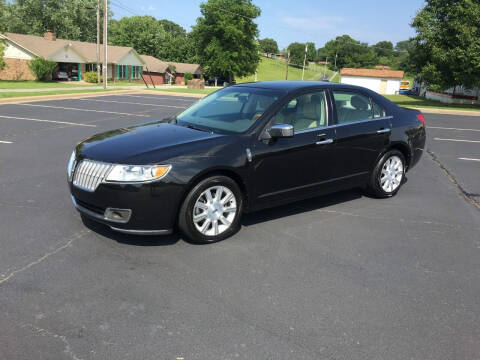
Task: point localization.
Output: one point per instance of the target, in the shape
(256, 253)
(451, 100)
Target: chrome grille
(89, 174)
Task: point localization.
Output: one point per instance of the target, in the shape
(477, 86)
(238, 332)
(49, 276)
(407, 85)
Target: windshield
(230, 110)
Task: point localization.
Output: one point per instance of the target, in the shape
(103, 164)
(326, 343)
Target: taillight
(421, 118)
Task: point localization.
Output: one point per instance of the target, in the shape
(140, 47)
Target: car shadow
(302, 206)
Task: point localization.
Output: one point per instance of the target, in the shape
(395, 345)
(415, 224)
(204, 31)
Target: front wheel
(212, 210)
(388, 175)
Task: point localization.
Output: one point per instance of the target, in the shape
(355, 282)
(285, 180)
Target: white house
(385, 82)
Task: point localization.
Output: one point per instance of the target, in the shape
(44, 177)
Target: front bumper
(142, 209)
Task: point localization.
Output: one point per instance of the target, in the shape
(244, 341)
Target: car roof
(294, 85)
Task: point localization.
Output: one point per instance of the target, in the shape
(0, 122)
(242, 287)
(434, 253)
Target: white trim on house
(67, 54)
(130, 58)
(16, 51)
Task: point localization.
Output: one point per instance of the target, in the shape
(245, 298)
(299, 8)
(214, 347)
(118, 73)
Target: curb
(160, 92)
(22, 99)
(446, 111)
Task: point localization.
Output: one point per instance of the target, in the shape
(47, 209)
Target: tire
(388, 175)
(213, 222)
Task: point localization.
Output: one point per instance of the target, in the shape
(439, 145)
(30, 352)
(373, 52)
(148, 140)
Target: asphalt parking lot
(339, 277)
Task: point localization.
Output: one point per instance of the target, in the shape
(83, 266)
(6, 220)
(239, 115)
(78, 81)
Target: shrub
(42, 68)
(91, 77)
(188, 77)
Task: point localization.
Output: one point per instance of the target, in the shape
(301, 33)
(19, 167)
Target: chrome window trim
(363, 121)
(344, 124)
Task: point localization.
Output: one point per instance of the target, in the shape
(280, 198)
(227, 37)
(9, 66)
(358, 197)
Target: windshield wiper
(193, 127)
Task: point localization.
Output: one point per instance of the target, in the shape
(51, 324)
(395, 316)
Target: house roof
(40, 46)
(156, 65)
(376, 73)
(183, 68)
(152, 64)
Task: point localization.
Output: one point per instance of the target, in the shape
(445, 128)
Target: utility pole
(325, 68)
(105, 44)
(336, 54)
(304, 61)
(287, 62)
(98, 41)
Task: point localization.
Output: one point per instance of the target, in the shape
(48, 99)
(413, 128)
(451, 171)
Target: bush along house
(74, 58)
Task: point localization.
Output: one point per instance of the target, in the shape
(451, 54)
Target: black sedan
(241, 149)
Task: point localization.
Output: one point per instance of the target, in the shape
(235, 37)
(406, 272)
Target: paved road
(339, 277)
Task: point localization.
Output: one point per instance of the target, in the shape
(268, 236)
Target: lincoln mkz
(244, 148)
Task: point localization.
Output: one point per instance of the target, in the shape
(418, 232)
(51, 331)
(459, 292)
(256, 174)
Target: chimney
(50, 35)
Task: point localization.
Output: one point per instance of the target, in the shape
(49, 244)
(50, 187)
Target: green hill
(272, 69)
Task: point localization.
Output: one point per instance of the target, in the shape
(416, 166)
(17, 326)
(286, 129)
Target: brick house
(157, 71)
(74, 58)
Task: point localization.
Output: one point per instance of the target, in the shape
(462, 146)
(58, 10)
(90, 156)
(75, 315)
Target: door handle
(324, 142)
(383, 131)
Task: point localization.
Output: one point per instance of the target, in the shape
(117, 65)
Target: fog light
(117, 215)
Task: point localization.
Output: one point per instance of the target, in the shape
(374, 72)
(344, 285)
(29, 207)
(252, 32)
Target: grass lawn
(207, 90)
(272, 69)
(421, 102)
(30, 84)
(60, 92)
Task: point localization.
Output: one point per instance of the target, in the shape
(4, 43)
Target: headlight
(138, 173)
(71, 166)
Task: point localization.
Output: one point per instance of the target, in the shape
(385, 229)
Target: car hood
(142, 144)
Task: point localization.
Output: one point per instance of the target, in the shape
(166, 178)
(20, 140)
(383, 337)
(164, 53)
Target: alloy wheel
(215, 210)
(391, 175)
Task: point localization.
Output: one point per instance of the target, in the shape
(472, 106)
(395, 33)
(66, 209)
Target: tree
(173, 28)
(447, 43)
(297, 53)
(70, 19)
(311, 52)
(144, 33)
(268, 46)
(351, 53)
(383, 49)
(42, 68)
(2, 49)
(225, 36)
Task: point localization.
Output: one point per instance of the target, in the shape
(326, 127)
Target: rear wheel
(212, 210)
(388, 175)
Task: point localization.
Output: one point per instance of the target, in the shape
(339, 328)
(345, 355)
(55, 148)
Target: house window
(122, 71)
(91, 67)
(136, 70)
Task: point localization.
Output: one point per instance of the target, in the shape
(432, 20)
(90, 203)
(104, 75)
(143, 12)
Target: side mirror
(281, 131)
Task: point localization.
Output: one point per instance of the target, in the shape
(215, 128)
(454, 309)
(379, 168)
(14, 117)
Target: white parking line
(133, 103)
(5, 142)
(459, 140)
(88, 110)
(468, 159)
(173, 98)
(47, 121)
(447, 128)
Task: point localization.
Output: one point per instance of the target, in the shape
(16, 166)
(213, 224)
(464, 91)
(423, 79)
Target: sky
(288, 21)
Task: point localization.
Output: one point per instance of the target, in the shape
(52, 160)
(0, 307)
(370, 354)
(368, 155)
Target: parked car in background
(244, 148)
(219, 81)
(60, 75)
(404, 85)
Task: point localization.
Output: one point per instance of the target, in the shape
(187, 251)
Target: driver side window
(305, 112)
